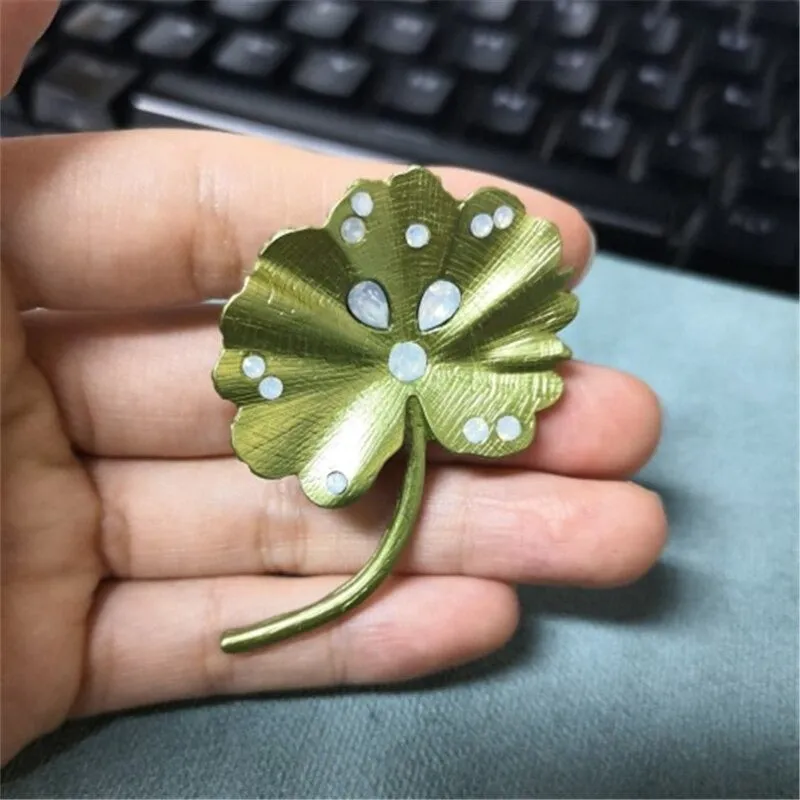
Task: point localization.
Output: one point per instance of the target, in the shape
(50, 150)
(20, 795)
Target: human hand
(122, 564)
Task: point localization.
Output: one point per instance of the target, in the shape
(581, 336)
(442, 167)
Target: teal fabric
(683, 685)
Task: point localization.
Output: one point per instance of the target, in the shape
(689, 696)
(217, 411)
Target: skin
(130, 535)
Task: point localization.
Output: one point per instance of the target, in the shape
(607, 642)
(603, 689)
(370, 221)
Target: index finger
(161, 218)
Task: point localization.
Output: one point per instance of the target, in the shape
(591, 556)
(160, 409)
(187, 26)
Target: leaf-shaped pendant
(409, 316)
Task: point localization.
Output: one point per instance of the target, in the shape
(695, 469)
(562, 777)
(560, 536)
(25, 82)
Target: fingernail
(592, 247)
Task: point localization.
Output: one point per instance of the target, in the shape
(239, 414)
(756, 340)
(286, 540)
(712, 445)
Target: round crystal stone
(439, 302)
(509, 428)
(503, 217)
(353, 230)
(253, 366)
(368, 304)
(362, 204)
(407, 361)
(336, 483)
(271, 388)
(476, 430)
(417, 235)
(481, 226)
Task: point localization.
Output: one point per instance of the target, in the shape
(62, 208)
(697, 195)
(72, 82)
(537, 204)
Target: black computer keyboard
(672, 125)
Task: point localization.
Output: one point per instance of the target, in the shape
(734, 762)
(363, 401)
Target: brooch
(408, 317)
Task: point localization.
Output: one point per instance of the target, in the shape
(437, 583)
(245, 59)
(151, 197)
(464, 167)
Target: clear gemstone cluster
(476, 430)
(481, 225)
(254, 367)
(353, 229)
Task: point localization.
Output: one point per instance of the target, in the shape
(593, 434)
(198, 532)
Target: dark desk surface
(684, 685)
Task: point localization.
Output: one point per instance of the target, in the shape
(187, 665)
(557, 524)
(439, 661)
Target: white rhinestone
(439, 302)
(476, 430)
(362, 204)
(353, 230)
(503, 217)
(336, 482)
(368, 304)
(481, 226)
(417, 235)
(271, 388)
(253, 367)
(509, 428)
(407, 361)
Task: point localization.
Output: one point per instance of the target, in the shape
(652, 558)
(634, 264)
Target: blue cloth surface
(683, 685)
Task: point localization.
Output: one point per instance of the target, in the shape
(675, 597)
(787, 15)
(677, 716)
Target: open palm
(131, 536)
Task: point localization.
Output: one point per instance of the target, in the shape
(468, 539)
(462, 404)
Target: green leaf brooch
(408, 317)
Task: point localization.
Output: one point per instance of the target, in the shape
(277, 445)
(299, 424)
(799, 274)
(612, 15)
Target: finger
(172, 217)
(21, 24)
(142, 387)
(214, 517)
(152, 642)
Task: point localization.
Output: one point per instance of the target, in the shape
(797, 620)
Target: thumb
(22, 22)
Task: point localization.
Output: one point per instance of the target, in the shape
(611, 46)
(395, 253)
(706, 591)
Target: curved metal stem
(371, 575)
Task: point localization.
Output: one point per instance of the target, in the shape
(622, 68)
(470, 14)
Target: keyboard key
(334, 73)
(653, 32)
(596, 134)
(403, 32)
(690, 155)
(773, 174)
(245, 10)
(322, 19)
(744, 107)
(99, 23)
(572, 19)
(77, 93)
(736, 51)
(172, 36)
(655, 87)
(509, 112)
(419, 91)
(572, 70)
(486, 50)
(256, 55)
(759, 237)
(488, 10)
